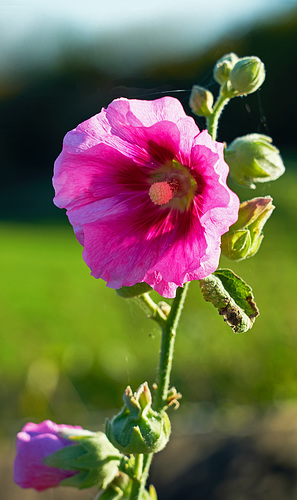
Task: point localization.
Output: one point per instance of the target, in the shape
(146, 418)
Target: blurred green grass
(69, 345)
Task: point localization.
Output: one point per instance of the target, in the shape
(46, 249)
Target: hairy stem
(167, 348)
(138, 480)
(213, 120)
(169, 327)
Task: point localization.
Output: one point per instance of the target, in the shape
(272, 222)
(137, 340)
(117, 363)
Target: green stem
(213, 120)
(138, 480)
(169, 327)
(151, 307)
(167, 348)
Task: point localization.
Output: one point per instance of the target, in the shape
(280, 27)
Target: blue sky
(133, 31)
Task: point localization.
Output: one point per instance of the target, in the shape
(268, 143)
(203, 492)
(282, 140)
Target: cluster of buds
(236, 75)
(51, 455)
(239, 76)
(251, 159)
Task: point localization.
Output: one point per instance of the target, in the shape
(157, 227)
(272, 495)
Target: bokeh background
(68, 345)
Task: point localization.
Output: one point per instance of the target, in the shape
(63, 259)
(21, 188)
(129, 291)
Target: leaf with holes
(232, 297)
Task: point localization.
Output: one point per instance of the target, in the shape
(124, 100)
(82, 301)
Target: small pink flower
(34, 443)
(146, 194)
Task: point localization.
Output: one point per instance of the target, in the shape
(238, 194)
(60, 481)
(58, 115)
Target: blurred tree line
(38, 111)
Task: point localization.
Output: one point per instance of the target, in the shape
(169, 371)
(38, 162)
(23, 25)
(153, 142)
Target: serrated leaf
(232, 297)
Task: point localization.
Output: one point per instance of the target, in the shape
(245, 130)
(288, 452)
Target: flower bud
(128, 292)
(138, 428)
(34, 443)
(223, 67)
(50, 455)
(201, 101)
(244, 238)
(252, 158)
(247, 75)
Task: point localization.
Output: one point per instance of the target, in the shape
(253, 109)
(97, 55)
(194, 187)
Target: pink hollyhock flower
(146, 194)
(34, 443)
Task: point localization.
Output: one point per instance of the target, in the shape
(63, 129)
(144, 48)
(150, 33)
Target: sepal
(92, 455)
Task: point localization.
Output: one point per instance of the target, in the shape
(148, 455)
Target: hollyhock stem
(169, 327)
(138, 480)
(167, 348)
(213, 120)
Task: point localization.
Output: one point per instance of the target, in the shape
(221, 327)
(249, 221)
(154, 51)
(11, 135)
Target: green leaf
(232, 297)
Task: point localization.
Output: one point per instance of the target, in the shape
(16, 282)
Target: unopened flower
(146, 194)
(138, 428)
(50, 455)
(34, 443)
(254, 159)
(247, 75)
(244, 238)
(223, 67)
(201, 101)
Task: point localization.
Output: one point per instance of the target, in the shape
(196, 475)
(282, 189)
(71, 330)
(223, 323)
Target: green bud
(244, 238)
(223, 67)
(91, 454)
(252, 158)
(247, 75)
(138, 428)
(127, 292)
(201, 101)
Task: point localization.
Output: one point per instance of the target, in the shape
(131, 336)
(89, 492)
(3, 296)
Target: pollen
(161, 193)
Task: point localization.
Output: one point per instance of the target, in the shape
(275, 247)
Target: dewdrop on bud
(244, 238)
(201, 101)
(247, 75)
(138, 428)
(223, 67)
(252, 159)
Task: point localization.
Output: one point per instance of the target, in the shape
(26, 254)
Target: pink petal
(103, 176)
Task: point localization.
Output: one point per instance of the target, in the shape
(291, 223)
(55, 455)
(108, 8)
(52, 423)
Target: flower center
(172, 184)
(161, 193)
